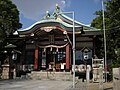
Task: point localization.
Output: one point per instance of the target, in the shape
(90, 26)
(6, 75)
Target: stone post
(116, 78)
(88, 69)
(100, 78)
(14, 73)
(5, 71)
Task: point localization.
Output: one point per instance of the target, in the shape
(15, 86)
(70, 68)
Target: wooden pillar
(68, 57)
(36, 59)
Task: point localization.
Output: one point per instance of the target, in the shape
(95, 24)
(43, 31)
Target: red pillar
(36, 59)
(68, 57)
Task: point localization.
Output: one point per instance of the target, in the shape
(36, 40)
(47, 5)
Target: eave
(50, 22)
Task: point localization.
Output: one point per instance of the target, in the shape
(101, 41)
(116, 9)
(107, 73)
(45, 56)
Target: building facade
(49, 42)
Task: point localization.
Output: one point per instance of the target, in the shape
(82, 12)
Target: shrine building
(50, 41)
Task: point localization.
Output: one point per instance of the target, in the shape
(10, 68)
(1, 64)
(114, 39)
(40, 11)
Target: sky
(32, 11)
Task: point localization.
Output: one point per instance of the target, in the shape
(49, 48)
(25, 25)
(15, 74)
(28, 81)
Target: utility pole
(105, 59)
(73, 47)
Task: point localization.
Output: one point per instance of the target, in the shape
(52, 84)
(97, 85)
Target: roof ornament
(56, 12)
(57, 8)
(47, 16)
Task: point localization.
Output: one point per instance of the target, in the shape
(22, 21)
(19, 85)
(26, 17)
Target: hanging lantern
(44, 50)
(57, 50)
(51, 49)
(14, 56)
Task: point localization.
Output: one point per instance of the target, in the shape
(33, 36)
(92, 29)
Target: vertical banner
(36, 59)
(43, 59)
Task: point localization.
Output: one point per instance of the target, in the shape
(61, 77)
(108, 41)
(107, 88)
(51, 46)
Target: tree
(9, 20)
(113, 12)
(112, 22)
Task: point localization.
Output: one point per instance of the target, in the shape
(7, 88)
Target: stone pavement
(92, 86)
(50, 85)
(34, 85)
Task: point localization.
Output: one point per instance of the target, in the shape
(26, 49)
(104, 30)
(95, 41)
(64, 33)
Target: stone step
(51, 75)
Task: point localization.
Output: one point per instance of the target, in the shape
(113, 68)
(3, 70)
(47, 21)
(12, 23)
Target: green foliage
(97, 22)
(112, 23)
(116, 63)
(99, 47)
(9, 20)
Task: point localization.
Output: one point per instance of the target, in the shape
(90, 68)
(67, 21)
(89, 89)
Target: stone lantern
(7, 72)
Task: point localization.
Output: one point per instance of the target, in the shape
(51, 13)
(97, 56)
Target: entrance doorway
(53, 57)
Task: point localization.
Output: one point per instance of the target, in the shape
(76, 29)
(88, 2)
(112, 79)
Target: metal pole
(73, 17)
(104, 40)
(73, 50)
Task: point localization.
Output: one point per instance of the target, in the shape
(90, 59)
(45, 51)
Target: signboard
(48, 29)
